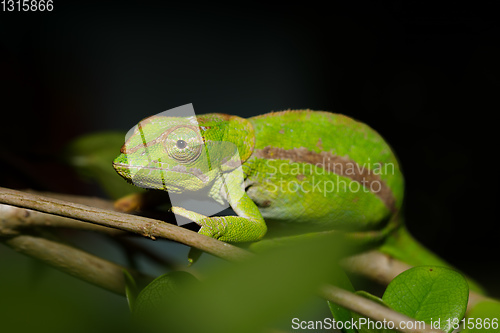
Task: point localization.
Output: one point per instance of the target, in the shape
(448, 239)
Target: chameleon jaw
(143, 176)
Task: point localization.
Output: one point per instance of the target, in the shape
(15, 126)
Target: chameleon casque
(300, 168)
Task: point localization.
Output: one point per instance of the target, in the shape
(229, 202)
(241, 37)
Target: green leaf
(92, 156)
(156, 295)
(266, 290)
(131, 290)
(429, 293)
(483, 317)
(339, 313)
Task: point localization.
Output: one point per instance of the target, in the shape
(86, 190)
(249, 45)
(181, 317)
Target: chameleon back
(323, 169)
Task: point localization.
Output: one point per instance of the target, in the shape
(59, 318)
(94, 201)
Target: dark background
(425, 76)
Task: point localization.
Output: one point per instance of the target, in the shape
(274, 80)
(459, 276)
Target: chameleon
(293, 168)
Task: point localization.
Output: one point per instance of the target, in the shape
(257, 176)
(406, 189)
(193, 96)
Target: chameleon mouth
(130, 171)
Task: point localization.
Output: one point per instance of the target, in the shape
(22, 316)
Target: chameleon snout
(120, 164)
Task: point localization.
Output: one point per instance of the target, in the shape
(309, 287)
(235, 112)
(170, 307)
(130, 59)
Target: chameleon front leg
(248, 226)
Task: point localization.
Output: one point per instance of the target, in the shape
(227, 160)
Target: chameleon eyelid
(181, 145)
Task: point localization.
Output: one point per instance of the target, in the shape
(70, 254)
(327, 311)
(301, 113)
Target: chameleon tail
(403, 246)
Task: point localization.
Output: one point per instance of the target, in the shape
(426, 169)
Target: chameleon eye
(184, 144)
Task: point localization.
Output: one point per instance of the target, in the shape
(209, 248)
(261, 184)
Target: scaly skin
(290, 160)
(284, 156)
(315, 150)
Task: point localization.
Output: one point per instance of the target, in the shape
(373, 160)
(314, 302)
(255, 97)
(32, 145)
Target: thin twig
(75, 262)
(15, 220)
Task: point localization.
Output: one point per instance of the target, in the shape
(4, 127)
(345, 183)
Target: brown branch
(109, 276)
(135, 224)
(75, 262)
(379, 267)
(15, 220)
(84, 200)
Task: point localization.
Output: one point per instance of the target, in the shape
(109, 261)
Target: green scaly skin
(290, 160)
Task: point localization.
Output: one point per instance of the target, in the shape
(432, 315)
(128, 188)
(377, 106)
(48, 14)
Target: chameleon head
(175, 154)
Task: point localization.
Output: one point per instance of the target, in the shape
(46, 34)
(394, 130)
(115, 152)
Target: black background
(425, 76)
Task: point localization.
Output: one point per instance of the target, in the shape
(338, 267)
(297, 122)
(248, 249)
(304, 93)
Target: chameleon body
(302, 168)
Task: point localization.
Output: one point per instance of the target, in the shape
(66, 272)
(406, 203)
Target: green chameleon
(300, 170)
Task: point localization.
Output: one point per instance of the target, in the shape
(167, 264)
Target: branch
(136, 224)
(109, 276)
(15, 220)
(75, 262)
(379, 267)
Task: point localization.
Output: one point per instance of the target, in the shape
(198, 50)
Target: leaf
(429, 293)
(156, 295)
(92, 156)
(250, 296)
(339, 313)
(131, 290)
(483, 317)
